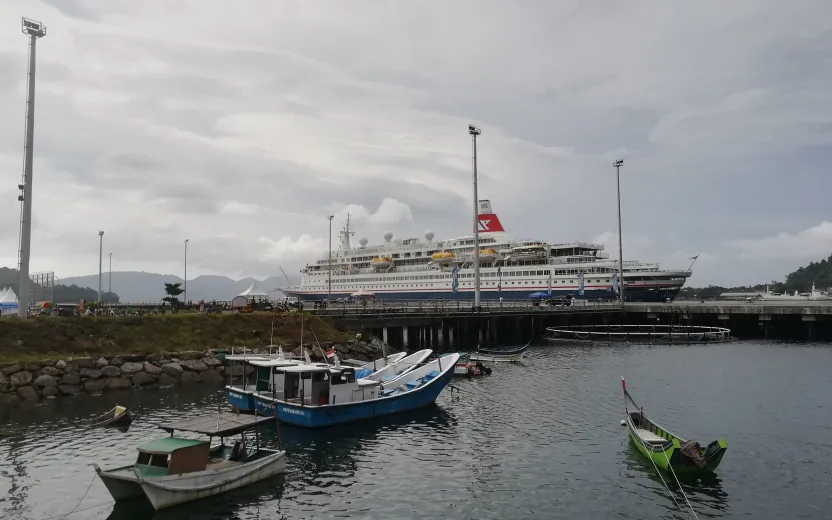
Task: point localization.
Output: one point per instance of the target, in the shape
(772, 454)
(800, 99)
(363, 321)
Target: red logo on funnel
(489, 223)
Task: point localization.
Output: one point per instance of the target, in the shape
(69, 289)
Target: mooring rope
(79, 503)
(659, 473)
(679, 484)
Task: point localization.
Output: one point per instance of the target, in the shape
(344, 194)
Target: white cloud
(812, 243)
(633, 246)
(240, 208)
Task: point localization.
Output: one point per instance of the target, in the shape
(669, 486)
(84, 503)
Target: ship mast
(345, 237)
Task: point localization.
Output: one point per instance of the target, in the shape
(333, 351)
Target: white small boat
(374, 366)
(174, 470)
(493, 355)
(396, 369)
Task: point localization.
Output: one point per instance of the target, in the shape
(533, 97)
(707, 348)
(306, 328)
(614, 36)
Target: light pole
(617, 165)
(185, 297)
(329, 280)
(110, 280)
(474, 131)
(100, 258)
(33, 30)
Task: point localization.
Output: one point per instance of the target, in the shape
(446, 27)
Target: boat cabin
(319, 385)
(177, 455)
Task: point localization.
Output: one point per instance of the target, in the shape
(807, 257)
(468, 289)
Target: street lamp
(185, 298)
(474, 132)
(34, 30)
(110, 281)
(100, 257)
(329, 281)
(617, 165)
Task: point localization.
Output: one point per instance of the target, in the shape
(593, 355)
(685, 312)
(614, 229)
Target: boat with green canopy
(173, 470)
(667, 450)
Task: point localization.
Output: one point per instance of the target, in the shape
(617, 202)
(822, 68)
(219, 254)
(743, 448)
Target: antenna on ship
(345, 236)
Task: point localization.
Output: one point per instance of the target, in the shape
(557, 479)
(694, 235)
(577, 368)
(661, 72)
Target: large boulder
(132, 367)
(89, 373)
(143, 378)
(51, 371)
(61, 364)
(27, 392)
(21, 379)
(194, 364)
(49, 391)
(190, 377)
(173, 369)
(116, 362)
(150, 368)
(190, 354)
(10, 370)
(44, 381)
(32, 367)
(83, 362)
(8, 399)
(237, 370)
(69, 389)
(71, 379)
(211, 362)
(212, 376)
(101, 363)
(119, 383)
(94, 386)
(167, 380)
(110, 371)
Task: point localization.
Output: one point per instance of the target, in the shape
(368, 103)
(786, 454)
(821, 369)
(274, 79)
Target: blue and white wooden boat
(401, 366)
(240, 395)
(314, 396)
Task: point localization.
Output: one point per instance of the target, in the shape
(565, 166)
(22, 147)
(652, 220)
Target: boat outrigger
(668, 451)
(174, 470)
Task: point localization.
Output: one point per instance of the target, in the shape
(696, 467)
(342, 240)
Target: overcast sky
(242, 125)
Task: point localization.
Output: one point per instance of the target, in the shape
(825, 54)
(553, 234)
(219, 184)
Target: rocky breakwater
(361, 350)
(45, 379)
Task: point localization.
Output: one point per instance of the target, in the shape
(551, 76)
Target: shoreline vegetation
(56, 337)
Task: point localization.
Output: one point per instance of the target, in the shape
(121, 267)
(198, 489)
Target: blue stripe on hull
(240, 399)
(652, 294)
(330, 415)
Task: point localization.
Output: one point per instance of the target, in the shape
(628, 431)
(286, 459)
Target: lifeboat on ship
(381, 262)
(488, 255)
(443, 258)
(530, 251)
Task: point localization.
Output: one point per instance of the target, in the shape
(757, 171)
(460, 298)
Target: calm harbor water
(540, 439)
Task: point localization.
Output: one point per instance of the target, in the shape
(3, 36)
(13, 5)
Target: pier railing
(639, 333)
(458, 307)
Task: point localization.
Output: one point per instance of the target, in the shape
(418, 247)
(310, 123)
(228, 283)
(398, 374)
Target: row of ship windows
(554, 282)
(544, 272)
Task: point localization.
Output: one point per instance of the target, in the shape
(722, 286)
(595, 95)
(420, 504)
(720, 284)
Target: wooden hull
(664, 449)
(118, 416)
(167, 491)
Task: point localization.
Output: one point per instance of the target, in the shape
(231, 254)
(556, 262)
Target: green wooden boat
(667, 450)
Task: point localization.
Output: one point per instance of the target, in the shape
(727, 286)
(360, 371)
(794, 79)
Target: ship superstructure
(416, 269)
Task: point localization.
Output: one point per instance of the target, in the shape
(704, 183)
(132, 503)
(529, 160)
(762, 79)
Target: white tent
(253, 292)
(8, 296)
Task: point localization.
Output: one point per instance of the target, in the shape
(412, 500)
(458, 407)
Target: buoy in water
(623, 422)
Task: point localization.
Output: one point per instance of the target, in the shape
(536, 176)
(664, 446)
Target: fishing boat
(667, 450)
(466, 368)
(501, 354)
(118, 416)
(174, 470)
(315, 396)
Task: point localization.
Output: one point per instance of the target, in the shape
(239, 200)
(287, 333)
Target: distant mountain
(60, 293)
(133, 286)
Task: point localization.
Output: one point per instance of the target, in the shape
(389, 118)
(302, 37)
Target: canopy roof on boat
(223, 425)
(167, 445)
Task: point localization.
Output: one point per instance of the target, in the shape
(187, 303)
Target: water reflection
(705, 493)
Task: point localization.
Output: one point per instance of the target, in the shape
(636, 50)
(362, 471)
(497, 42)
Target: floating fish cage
(685, 334)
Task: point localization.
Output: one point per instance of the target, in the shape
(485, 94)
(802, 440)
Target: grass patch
(62, 337)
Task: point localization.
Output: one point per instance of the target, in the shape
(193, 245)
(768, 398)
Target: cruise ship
(415, 269)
